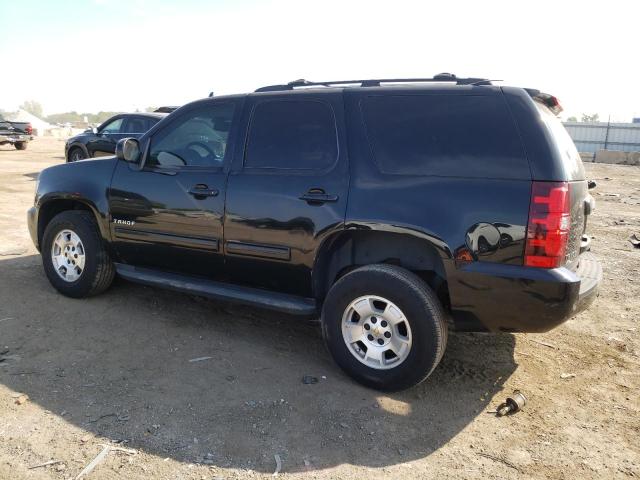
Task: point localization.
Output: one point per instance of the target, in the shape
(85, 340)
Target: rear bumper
(511, 298)
(14, 138)
(590, 273)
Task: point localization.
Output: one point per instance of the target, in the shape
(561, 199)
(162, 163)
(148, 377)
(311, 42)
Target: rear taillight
(29, 129)
(549, 224)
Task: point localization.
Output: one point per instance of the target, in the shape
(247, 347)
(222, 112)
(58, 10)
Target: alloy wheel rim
(68, 255)
(376, 332)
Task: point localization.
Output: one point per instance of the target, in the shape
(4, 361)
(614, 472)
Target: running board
(256, 297)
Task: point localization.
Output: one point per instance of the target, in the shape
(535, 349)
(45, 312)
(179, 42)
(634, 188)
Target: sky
(92, 55)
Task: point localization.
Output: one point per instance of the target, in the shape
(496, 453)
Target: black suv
(394, 209)
(101, 141)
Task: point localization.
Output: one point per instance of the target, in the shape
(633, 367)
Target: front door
(104, 142)
(168, 215)
(287, 191)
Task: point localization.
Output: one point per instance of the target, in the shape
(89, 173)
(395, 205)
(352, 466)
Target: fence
(590, 137)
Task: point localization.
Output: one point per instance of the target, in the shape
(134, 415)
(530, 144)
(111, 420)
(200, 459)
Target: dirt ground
(116, 369)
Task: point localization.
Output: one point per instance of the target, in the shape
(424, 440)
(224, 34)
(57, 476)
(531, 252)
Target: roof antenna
(210, 94)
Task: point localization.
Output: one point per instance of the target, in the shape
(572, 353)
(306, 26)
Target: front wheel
(20, 145)
(74, 256)
(76, 154)
(384, 326)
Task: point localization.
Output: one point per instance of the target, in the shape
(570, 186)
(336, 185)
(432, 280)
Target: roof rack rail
(441, 77)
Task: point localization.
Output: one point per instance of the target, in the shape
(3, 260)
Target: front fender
(85, 183)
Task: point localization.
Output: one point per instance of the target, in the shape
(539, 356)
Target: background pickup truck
(16, 133)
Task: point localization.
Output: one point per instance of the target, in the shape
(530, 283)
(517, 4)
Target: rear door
(169, 215)
(288, 189)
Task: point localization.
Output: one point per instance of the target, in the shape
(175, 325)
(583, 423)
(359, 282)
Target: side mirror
(128, 149)
(94, 130)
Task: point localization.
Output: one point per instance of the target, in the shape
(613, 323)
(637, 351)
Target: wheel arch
(52, 207)
(79, 145)
(352, 248)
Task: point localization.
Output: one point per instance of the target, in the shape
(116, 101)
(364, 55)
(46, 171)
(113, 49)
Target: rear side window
(444, 135)
(292, 135)
(137, 125)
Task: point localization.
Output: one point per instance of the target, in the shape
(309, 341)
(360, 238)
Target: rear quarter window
(563, 143)
(444, 135)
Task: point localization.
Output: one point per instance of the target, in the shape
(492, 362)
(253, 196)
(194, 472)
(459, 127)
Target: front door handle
(318, 196)
(201, 191)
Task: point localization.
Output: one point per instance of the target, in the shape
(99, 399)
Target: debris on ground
(46, 464)
(564, 376)
(550, 345)
(635, 240)
(100, 457)
(309, 380)
(499, 459)
(512, 405)
(199, 359)
(278, 465)
(22, 399)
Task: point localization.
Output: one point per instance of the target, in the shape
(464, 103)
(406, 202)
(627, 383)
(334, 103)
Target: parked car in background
(101, 141)
(395, 209)
(16, 133)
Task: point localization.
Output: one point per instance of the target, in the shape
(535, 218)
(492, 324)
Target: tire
(20, 145)
(76, 153)
(425, 327)
(98, 270)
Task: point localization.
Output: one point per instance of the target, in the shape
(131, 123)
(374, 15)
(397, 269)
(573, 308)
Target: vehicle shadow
(201, 381)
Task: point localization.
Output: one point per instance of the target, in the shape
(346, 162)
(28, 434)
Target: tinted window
(563, 142)
(137, 125)
(198, 138)
(112, 127)
(445, 135)
(292, 134)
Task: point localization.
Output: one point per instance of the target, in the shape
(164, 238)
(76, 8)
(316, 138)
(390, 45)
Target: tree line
(35, 108)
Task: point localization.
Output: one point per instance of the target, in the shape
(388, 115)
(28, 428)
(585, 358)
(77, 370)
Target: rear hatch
(580, 202)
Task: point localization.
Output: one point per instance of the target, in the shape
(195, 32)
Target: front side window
(292, 135)
(198, 139)
(113, 127)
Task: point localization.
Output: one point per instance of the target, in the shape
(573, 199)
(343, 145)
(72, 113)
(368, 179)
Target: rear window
(563, 143)
(444, 135)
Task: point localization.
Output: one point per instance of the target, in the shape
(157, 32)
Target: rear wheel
(20, 145)
(76, 154)
(74, 256)
(384, 326)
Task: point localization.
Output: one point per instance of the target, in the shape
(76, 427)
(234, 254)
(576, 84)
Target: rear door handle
(318, 196)
(202, 191)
